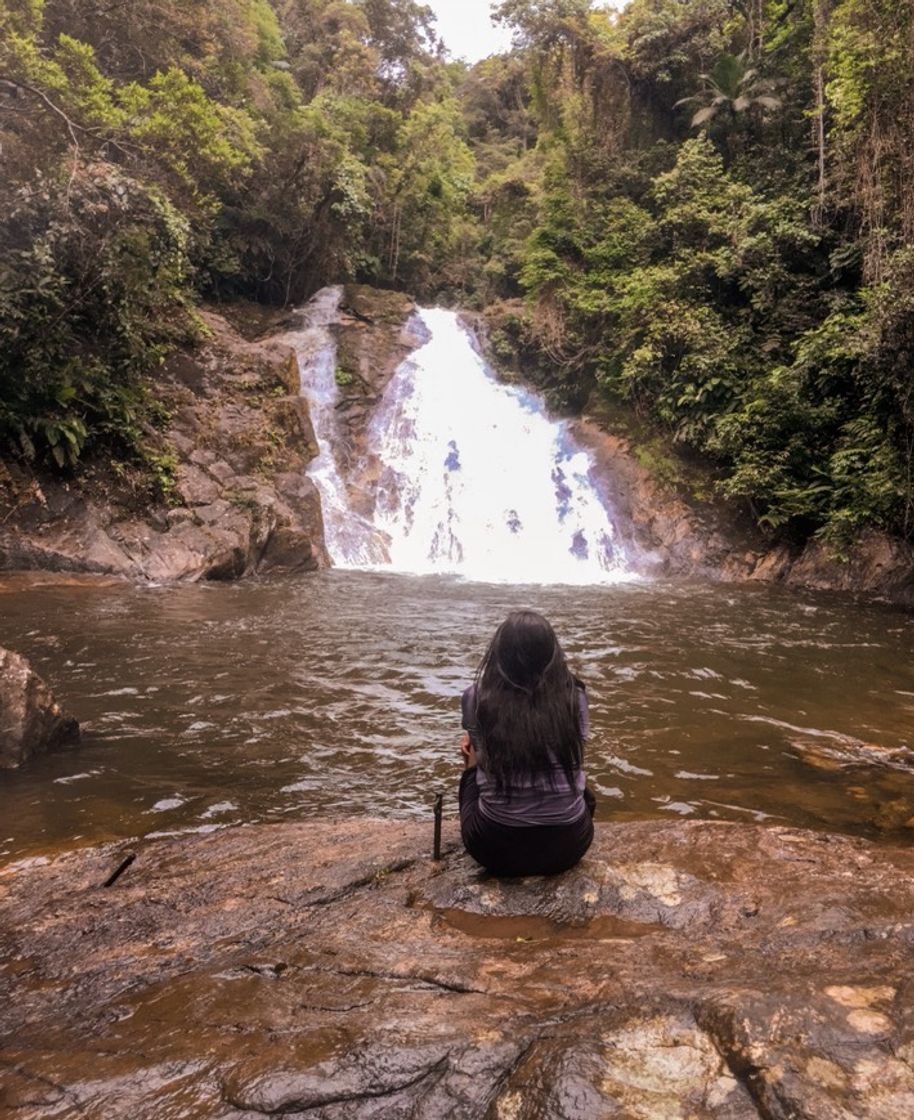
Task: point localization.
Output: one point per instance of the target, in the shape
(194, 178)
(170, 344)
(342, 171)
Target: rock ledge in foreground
(330, 970)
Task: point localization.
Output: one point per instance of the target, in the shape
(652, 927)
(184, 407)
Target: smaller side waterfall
(469, 475)
(351, 540)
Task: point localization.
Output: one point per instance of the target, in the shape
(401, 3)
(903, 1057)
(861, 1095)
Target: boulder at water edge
(31, 722)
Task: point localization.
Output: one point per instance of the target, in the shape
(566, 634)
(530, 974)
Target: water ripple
(338, 694)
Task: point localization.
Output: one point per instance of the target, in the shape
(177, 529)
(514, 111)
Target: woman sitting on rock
(524, 805)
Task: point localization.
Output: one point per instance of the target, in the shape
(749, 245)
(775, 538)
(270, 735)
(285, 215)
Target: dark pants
(510, 850)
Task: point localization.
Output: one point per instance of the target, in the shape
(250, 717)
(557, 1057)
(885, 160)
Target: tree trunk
(393, 258)
(821, 15)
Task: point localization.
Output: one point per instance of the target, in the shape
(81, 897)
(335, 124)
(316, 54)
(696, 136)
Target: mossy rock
(375, 305)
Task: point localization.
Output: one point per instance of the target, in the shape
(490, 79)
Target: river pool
(338, 693)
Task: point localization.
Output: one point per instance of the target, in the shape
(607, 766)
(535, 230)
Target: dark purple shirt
(542, 797)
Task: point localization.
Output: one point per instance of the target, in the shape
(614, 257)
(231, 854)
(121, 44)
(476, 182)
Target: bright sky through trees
(467, 28)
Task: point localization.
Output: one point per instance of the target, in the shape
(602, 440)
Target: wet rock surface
(331, 970)
(833, 751)
(31, 721)
(876, 564)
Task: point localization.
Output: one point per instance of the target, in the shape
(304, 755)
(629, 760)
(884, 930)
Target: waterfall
(471, 476)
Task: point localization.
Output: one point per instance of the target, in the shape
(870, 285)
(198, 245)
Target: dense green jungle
(697, 214)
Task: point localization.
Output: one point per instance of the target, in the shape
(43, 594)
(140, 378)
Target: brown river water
(338, 693)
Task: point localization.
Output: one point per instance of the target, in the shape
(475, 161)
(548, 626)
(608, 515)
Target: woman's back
(544, 796)
(524, 805)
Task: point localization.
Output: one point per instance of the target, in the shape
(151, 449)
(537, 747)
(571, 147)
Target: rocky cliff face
(700, 970)
(375, 332)
(241, 502)
(877, 565)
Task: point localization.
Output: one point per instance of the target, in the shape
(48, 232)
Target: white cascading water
(475, 479)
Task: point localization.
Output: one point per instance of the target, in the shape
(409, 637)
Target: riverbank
(332, 969)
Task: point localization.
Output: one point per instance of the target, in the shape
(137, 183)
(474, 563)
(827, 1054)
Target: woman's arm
(468, 722)
(583, 710)
(468, 751)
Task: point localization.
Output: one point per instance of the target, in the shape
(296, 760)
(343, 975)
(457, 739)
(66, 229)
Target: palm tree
(732, 86)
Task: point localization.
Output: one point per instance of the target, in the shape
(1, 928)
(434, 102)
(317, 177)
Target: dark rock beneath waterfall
(375, 333)
(332, 970)
(31, 721)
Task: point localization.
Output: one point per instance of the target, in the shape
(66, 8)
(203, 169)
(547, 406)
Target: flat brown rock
(332, 970)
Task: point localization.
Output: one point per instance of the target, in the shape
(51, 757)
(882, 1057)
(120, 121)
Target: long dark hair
(527, 706)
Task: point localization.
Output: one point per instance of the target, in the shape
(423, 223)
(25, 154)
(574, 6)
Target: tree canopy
(701, 211)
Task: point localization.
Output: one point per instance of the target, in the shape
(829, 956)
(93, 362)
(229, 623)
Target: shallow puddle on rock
(527, 928)
(248, 1001)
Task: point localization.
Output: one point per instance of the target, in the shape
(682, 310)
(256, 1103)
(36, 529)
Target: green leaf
(704, 115)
